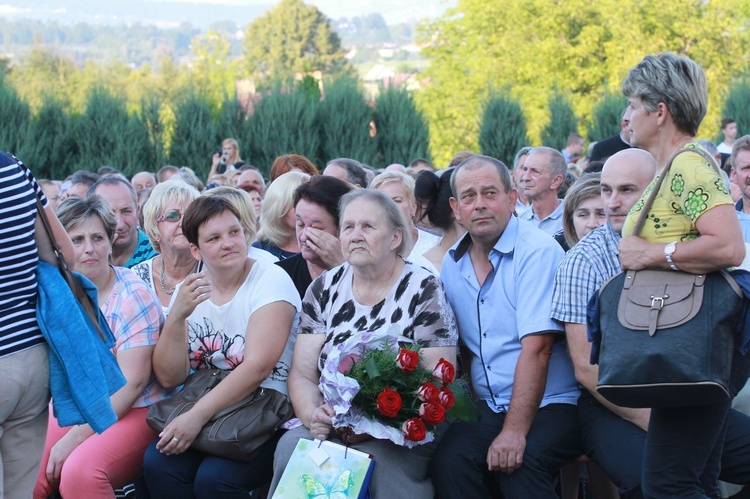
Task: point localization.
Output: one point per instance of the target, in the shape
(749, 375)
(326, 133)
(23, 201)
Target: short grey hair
(709, 146)
(475, 162)
(397, 177)
(114, 180)
(393, 215)
(355, 172)
(75, 211)
(741, 144)
(679, 82)
(557, 164)
(524, 151)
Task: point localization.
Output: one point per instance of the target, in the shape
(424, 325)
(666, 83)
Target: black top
(273, 249)
(607, 147)
(296, 267)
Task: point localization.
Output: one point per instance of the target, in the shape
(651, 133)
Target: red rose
(389, 402)
(432, 413)
(414, 429)
(407, 360)
(428, 392)
(444, 372)
(446, 398)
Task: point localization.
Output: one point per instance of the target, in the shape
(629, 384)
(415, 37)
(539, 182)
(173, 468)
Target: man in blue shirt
(543, 173)
(741, 175)
(615, 436)
(498, 279)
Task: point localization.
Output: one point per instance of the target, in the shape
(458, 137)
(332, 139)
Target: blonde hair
(173, 190)
(243, 203)
(276, 203)
(407, 182)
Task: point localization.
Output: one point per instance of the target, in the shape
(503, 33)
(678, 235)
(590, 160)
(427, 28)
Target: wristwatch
(668, 251)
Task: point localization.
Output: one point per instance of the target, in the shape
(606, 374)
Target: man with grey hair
(143, 180)
(131, 245)
(522, 204)
(498, 280)
(612, 145)
(349, 170)
(543, 172)
(741, 176)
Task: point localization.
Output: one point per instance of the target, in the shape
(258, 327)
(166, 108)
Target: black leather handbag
(667, 337)
(237, 432)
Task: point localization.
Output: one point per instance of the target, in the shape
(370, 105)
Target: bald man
(615, 436)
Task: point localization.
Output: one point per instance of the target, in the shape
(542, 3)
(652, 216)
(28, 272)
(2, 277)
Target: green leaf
(371, 368)
(464, 409)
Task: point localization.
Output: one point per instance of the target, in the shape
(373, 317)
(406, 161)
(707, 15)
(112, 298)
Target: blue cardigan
(83, 370)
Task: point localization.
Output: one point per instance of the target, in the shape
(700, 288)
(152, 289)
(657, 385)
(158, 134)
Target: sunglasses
(173, 216)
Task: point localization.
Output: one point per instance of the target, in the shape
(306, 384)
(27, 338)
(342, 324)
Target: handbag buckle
(657, 302)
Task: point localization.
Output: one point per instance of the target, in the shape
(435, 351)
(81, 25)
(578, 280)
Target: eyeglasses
(173, 216)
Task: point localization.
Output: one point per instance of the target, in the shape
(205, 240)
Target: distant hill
(108, 12)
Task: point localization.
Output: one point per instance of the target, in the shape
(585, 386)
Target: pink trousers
(101, 463)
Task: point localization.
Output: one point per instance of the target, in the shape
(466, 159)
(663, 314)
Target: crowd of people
(486, 266)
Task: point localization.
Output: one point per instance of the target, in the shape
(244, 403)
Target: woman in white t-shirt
(238, 314)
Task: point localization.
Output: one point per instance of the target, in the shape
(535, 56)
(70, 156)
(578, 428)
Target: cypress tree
(562, 122)
(502, 130)
(606, 116)
(736, 106)
(402, 133)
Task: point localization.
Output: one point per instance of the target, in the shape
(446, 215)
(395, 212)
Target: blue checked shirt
(583, 270)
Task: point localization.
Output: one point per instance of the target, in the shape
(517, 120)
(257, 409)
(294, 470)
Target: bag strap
(641, 221)
(73, 282)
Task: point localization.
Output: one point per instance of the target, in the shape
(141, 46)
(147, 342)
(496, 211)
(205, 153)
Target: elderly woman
(583, 210)
(316, 207)
(433, 195)
(162, 222)
(77, 461)
(668, 99)
(238, 315)
(291, 163)
(400, 188)
(375, 288)
(276, 233)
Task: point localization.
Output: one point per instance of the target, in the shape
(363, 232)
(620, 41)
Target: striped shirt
(18, 257)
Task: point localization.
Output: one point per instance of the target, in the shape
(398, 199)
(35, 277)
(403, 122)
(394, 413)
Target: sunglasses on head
(170, 216)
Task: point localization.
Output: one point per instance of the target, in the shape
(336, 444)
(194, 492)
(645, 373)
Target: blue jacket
(83, 369)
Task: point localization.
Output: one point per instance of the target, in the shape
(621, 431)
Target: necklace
(162, 281)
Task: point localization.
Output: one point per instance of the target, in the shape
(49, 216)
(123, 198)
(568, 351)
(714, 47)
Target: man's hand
(506, 452)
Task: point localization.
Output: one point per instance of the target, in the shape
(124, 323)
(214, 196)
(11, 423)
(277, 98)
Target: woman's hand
(57, 457)
(320, 422)
(178, 435)
(326, 246)
(194, 290)
(637, 254)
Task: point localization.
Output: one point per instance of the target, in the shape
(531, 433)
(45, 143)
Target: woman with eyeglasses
(162, 222)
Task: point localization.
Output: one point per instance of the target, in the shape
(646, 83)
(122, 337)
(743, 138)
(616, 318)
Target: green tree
(194, 135)
(152, 120)
(55, 152)
(606, 116)
(214, 71)
(576, 46)
(502, 131)
(345, 121)
(292, 38)
(16, 118)
(402, 133)
(562, 122)
(736, 107)
(283, 122)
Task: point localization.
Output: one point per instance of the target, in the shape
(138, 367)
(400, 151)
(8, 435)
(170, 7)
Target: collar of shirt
(504, 244)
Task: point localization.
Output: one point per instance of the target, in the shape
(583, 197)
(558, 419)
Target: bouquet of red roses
(378, 386)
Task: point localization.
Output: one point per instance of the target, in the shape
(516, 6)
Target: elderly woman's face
(311, 217)
(92, 248)
(366, 236)
(169, 227)
(398, 194)
(588, 215)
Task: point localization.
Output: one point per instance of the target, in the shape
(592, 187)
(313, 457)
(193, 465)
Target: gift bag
(325, 469)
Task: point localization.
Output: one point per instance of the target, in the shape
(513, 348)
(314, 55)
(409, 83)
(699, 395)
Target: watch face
(669, 248)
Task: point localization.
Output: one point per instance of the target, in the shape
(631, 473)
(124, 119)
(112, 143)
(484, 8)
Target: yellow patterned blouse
(692, 188)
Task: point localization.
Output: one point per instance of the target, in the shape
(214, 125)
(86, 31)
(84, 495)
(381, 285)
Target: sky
(201, 12)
